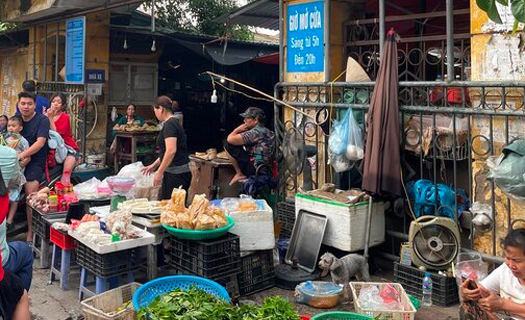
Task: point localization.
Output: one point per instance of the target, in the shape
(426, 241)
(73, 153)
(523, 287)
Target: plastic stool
(61, 259)
(101, 283)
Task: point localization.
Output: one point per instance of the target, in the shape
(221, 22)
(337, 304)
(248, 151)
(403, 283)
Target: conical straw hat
(354, 72)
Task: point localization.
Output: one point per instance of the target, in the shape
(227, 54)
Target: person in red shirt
(59, 122)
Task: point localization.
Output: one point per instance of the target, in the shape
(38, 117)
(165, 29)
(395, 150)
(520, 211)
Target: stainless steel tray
(307, 237)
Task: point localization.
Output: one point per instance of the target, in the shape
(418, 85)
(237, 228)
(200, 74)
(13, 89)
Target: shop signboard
(305, 37)
(75, 49)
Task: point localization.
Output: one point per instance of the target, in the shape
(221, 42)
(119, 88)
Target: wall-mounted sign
(305, 37)
(95, 75)
(75, 49)
(94, 89)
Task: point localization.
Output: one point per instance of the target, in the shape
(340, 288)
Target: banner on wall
(75, 49)
(305, 37)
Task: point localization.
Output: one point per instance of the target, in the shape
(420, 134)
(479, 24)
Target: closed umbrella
(382, 166)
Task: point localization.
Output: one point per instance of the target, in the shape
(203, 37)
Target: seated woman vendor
(129, 118)
(503, 291)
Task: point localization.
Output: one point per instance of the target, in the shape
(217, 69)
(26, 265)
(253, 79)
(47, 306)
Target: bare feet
(238, 177)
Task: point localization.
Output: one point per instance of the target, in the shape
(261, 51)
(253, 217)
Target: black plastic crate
(109, 264)
(286, 214)
(213, 258)
(40, 226)
(257, 272)
(229, 282)
(227, 246)
(444, 289)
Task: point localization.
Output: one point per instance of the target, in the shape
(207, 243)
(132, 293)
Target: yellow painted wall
(489, 51)
(11, 9)
(13, 67)
(97, 57)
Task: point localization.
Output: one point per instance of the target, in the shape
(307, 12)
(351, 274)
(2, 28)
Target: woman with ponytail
(171, 168)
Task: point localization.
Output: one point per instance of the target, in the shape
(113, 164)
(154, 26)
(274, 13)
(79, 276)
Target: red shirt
(63, 127)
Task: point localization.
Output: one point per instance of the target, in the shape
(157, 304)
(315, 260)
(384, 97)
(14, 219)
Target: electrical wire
(240, 92)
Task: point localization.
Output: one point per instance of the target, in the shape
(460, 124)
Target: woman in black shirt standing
(172, 165)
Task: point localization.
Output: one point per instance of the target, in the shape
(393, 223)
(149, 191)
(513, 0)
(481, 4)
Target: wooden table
(212, 178)
(134, 137)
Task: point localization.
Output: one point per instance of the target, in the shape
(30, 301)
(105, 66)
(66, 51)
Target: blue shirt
(37, 127)
(41, 104)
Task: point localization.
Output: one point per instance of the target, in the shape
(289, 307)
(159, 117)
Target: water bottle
(427, 290)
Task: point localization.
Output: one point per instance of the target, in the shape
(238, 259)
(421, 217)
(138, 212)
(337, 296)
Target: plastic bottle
(427, 290)
(53, 203)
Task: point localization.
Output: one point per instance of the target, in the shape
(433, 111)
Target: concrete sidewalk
(48, 302)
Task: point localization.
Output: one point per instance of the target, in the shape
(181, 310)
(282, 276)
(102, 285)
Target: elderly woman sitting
(503, 291)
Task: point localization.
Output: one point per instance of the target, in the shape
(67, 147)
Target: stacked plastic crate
(215, 259)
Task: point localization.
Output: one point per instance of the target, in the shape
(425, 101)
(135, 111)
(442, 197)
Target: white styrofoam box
(346, 223)
(255, 228)
(145, 238)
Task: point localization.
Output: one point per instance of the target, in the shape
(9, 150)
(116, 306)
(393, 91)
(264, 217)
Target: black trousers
(243, 158)
(172, 181)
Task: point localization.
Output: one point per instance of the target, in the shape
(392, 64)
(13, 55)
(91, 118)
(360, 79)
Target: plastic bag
(470, 266)
(243, 204)
(133, 170)
(347, 138)
(144, 188)
(339, 136)
(483, 217)
(88, 189)
(354, 147)
(339, 162)
(508, 170)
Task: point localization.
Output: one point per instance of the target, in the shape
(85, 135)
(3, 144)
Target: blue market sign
(75, 49)
(305, 37)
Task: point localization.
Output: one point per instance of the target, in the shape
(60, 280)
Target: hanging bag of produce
(354, 148)
(339, 136)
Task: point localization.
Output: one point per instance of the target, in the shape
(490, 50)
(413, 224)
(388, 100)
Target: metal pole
(368, 225)
(382, 27)
(153, 16)
(327, 41)
(45, 53)
(57, 53)
(450, 40)
(281, 41)
(34, 51)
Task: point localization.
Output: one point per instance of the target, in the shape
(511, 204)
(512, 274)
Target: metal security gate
(449, 132)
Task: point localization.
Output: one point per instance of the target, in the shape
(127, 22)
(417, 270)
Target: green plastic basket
(200, 234)
(339, 315)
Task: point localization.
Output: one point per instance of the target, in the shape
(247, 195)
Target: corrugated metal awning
(261, 13)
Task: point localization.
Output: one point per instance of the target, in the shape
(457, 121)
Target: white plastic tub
(255, 229)
(346, 223)
(145, 238)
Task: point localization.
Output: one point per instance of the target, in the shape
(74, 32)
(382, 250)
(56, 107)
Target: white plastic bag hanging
(354, 147)
(346, 138)
(339, 136)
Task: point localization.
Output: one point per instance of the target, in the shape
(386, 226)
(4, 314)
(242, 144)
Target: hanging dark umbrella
(382, 167)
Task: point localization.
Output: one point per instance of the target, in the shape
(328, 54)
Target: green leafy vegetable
(195, 304)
